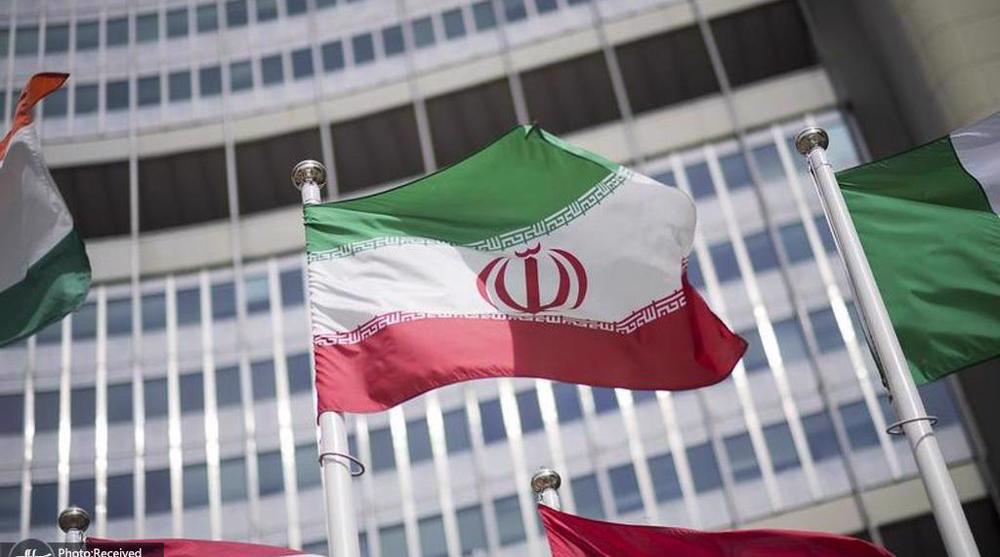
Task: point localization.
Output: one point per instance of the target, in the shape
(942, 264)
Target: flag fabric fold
(530, 258)
(45, 272)
(180, 547)
(575, 536)
(929, 222)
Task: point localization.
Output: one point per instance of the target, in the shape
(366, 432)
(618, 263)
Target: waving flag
(179, 547)
(531, 258)
(44, 271)
(575, 536)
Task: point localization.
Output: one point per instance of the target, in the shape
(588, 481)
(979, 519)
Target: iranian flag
(44, 273)
(530, 258)
(929, 222)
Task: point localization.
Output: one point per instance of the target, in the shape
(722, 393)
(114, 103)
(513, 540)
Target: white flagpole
(335, 459)
(913, 420)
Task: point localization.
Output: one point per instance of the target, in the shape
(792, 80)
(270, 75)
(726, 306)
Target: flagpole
(74, 521)
(913, 419)
(545, 483)
(335, 460)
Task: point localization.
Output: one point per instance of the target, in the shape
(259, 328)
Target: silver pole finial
(74, 521)
(545, 483)
(810, 138)
(309, 177)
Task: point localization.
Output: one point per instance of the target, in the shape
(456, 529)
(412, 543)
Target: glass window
(295, 7)
(192, 392)
(781, 446)
(821, 436)
(26, 41)
(154, 312)
(43, 504)
(471, 529)
(177, 23)
(432, 542)
(240, 76)
(545, 6)
(791, 340)
(88, 34)
(271, 69)
(456, 430)
(236, 13)
(179, 85)
(824, 325)
(119, 403)
(116, 95)
(754, 359)
(223, 300)
(47, 411)
(11, 414)
(666, 486)
(86, 99)
(120, 316)
(188, 306)
(625, 488)
(81, 492)
(364, 48)
(553, 94)
(392, 40)
(392, 540)
(227, 386)
(84, 322)
(724, 259)
(149, 90)
(567, 402)
(939, 402)
(762, 255)
(155, 397)
(514, 10)
(269, 477)
(699, 180)
(587, 497)
(640, 397)
(509, 523)
(10, 505)
(116, 32)
(208, 18)
(604, 400)
(306, 466)
(666, 178)
(704, 467)
(299, 377)
(147, 27)
(383, 457)
(825, 234)
(423, 32)
(454, 23)
(195, 486)
(768, 162)
(741, 457)
(418, 438)
(267, 10)
(333, 56)
(4, 39)
(325, 3)
(210, 84)
(83, 407)
(482, 13)
(121, 490)
(529, 411)
(292, 287)
(694, 275)
(257, 293)
(858, 423)
(302, 63)
(157, 491)
(50, 334)
(56, 38)
(233, 472)
(263, 379)
(793, 237)
(492, 419)
(735, 172)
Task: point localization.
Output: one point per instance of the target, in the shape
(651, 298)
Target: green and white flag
(44, 272)
(929, 221)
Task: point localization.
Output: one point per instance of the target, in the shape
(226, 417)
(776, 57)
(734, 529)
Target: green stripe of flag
(475, 199)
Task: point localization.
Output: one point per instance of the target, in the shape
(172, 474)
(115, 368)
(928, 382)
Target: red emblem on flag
(559, 279)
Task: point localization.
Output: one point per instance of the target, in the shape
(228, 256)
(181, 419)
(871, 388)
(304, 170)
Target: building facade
(178, 401)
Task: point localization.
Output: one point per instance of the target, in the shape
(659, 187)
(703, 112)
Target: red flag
(575, 536)
(179, 547)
